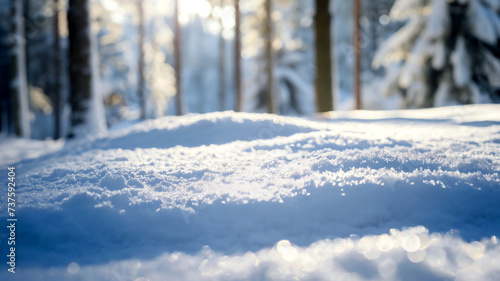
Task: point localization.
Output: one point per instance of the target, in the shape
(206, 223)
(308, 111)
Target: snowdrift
(401, 195)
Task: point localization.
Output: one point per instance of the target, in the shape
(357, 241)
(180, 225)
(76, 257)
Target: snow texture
(15, 149)
(399, 195)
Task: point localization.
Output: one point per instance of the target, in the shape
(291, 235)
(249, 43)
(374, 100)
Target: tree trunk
(357, 53)
(58, 97)
(140, 67)
(324, 87)
(269, 58)
(178, 61)
(19, 88)
(80, 67)
(237, 57)
(222, 63)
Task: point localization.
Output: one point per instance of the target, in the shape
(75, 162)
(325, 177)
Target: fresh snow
(17, 149)
(365, 195)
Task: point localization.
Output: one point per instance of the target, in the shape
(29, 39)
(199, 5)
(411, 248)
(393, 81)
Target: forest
(90, 64)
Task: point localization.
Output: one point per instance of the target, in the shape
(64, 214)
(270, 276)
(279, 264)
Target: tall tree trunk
(373, 20)
(141, 81)
(237, 57)
(269, 58)
(222, 62)
(58, 97)
(357, 53)
(80, 65)
(322, 26)
(178, 61)
(20, 85)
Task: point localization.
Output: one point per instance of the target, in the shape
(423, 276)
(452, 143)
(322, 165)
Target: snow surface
(397, 195)
(17, 149)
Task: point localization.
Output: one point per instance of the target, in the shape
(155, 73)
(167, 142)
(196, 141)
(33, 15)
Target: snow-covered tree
(447, 53)
(237, 57)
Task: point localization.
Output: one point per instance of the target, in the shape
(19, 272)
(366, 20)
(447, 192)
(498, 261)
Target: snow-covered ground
(399, 195)
(16, 149)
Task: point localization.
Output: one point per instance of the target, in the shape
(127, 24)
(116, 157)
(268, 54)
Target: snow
(483, 27)
(439, 20)
(494, 4)
(404, 9)
(461, 63)
(15, 149)
(394, 49)
(428, 36)
(95, 113)
(492, 67)
(354, 195)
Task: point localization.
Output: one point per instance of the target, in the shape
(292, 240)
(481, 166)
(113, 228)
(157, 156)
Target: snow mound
(15, 149)
(411, 254)
(247, 196)
(208, 129)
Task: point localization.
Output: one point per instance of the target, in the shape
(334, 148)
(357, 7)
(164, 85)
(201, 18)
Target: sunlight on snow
(286, 250)
(73, 268)
(437, 256)
(284, 172)
(411, 243)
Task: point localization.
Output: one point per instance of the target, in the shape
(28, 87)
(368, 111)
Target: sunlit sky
(213, 18)
(188, 11)
(190, 8)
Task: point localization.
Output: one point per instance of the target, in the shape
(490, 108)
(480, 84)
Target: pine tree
(447, 53)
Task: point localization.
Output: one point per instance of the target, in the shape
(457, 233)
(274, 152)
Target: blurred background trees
(446, 54)
(96, 63)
